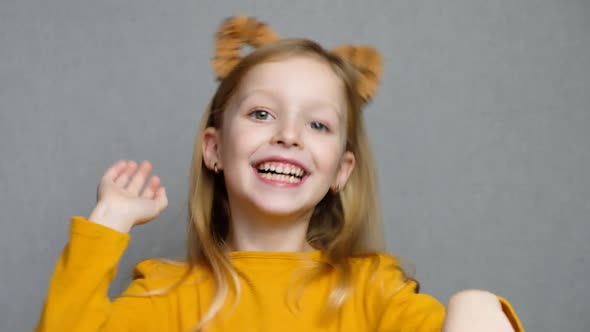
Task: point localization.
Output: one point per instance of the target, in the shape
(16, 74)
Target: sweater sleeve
(77, 297)
(511, 315)
(408, 311)
(398, 306)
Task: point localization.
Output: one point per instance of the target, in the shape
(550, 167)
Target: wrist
(104, 214)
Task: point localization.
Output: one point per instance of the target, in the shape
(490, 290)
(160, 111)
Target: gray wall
(481, 130)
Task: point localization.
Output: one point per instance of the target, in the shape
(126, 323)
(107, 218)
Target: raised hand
(124, 199)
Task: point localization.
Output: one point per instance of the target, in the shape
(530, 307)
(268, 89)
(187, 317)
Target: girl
(283, 226)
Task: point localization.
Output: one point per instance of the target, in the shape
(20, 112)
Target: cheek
(328, 153)
(240, 140)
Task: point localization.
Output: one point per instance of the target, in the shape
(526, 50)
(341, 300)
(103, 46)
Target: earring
(215, 168)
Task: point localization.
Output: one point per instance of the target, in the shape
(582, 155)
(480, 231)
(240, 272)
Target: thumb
(153, 207)
(161, 198)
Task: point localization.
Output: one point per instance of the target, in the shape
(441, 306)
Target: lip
(280, 160)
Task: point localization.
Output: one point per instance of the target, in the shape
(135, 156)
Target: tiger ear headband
(243, 30)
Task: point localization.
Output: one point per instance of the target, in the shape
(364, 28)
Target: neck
(252, 230)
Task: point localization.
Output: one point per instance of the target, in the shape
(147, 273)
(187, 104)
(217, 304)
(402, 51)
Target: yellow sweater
(77, 296)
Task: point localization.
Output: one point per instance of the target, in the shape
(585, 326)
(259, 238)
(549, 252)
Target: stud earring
(215, 168)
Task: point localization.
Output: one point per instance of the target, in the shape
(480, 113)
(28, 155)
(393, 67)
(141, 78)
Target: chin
(280, 209)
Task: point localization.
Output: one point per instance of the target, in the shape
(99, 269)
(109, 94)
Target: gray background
(481, 130)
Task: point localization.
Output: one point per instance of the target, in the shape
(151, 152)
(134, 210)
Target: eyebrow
(315, 103)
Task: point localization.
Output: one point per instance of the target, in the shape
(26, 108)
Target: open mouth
(281, 172)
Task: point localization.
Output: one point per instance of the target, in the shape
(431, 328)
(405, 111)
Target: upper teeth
(282, 168)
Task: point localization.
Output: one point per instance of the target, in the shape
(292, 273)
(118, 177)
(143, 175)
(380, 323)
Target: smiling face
(281, 144)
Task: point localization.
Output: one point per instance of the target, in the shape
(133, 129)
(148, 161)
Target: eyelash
(257, 111)
(323, 127)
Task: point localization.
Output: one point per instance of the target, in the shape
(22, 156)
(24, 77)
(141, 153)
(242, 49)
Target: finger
(124, 176)
(152, 186)
(161, 198)
(115, 169)
(138, 179)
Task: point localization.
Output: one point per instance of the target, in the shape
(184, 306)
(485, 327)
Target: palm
(124, 187)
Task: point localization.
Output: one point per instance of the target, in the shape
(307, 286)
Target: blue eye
(319, 126)
(260, 114)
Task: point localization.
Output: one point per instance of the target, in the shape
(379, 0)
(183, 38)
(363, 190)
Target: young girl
(283, 226)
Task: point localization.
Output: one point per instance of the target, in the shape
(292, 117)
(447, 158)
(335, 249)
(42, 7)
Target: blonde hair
(343, 224)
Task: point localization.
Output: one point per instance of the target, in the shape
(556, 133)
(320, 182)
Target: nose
(288, 134)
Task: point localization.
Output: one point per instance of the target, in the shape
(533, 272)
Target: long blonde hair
(343, 225)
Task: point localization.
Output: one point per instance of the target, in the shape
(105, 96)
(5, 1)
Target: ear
(210, 148)
(347, 163)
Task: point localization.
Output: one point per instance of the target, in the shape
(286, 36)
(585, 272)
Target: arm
(467, 311)
(77, 297)
(405, 310)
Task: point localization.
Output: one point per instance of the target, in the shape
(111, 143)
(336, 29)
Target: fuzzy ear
(369, 64)
(231, 35)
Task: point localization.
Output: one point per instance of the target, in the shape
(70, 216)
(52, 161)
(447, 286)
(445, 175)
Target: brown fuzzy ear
(369, 64)
(231, 35)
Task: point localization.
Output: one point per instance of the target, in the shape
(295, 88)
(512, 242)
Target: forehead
(298, 79)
